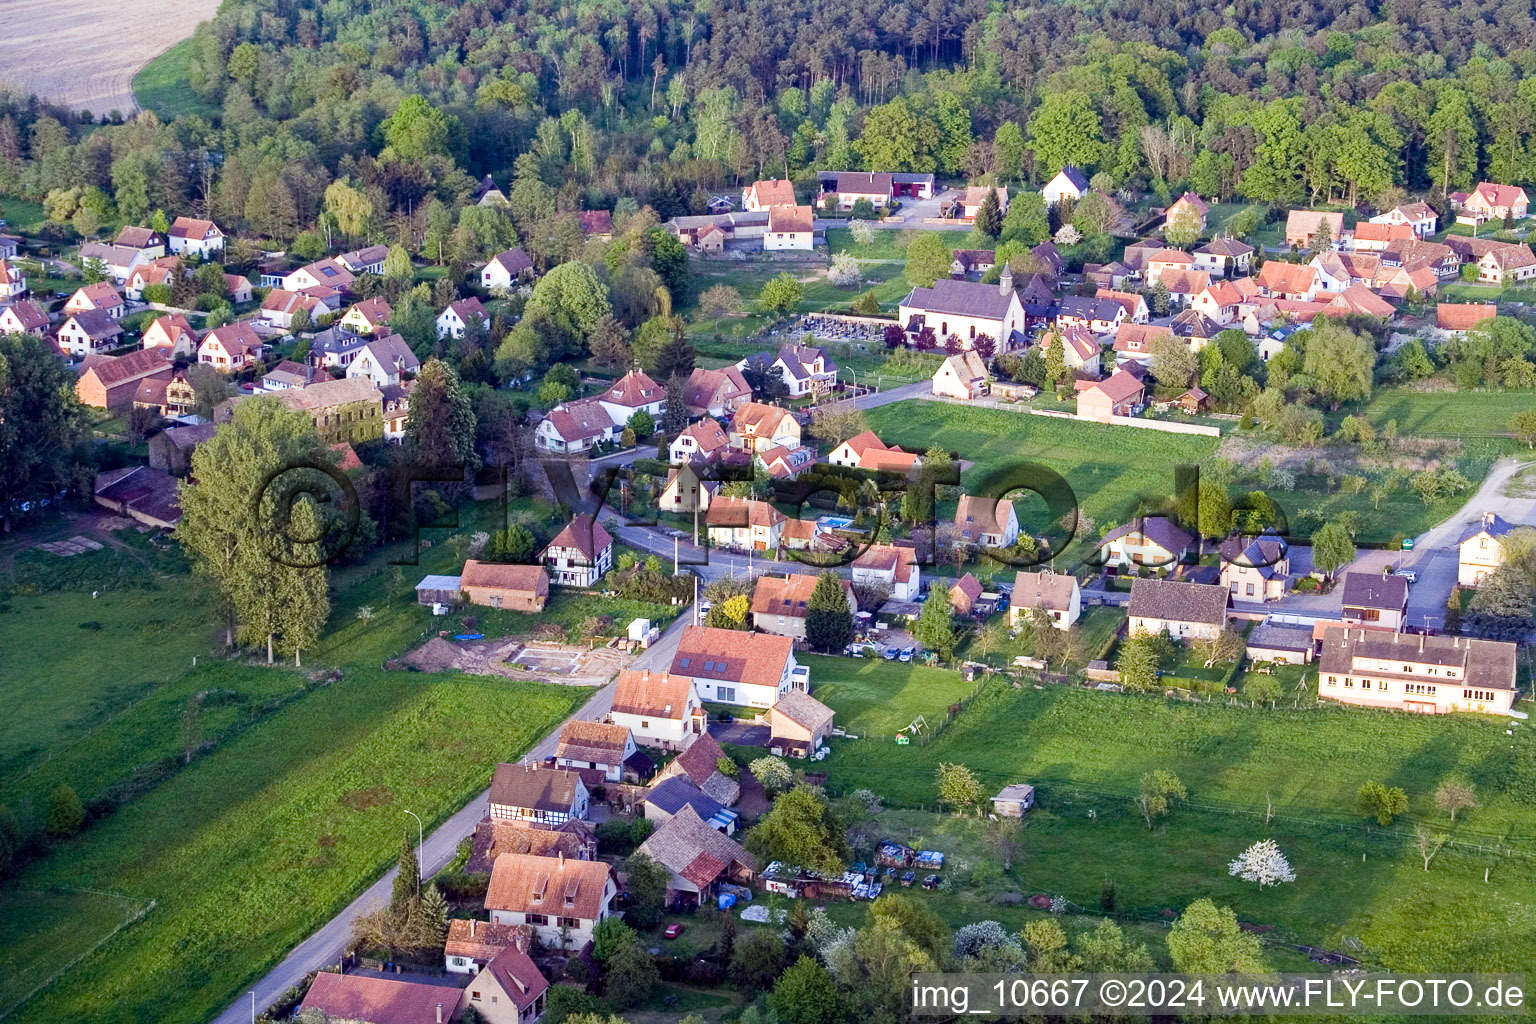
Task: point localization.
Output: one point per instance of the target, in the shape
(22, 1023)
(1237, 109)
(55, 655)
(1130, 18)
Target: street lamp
(253, 1006)
(419, 845)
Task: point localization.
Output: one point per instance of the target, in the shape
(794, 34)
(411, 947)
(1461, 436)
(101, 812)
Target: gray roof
(1076, 177)
(1484, 662)
(1087, 308)
(1262, 553)
(1157, 529)
(1179, 602)
(434, 582)
(1495, 525)
(674, 793)
(961, 298)
(1272, 637)
(1368, 590)
(337, 339)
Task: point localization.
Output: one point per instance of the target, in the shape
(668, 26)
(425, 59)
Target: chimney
(439, 1013)
(1005, 281)
(1421, 643)
(472, 923)
(561, 855)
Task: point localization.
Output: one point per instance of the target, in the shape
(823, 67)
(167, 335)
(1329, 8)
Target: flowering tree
(895, 336)
(1263, 863)
(844, 271)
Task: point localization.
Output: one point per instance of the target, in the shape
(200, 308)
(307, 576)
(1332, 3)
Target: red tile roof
(370, 1000)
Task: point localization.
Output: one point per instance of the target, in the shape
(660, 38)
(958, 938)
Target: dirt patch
(362, 799)
(513, 658)
(83, 54)
(75, 545)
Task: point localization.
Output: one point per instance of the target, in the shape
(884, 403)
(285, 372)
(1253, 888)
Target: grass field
(888, 244)
(21, 215)
(1096, 627)
(1109, 469)
(163, 85)
(42, 931)
(1448, 413)
(1086, 751)
(298, 804)
(875, 697)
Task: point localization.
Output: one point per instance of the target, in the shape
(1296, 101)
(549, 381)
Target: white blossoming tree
(1263, 863)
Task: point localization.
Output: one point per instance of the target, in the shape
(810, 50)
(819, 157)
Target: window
(570, 922)
(1333, 680)
(536, 919)
(644, 724)
(726, 693)
(475, 996)
(1250, 590)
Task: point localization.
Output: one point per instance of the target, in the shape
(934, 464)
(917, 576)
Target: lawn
(1448, 413)
(1109, 469)
(888, 244)
(298, 804)
(41, 932)
(1085, 751)
(164, 85)
(20, 216)
(1096, 627)
(879, 698)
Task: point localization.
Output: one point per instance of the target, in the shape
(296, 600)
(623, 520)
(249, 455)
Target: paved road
(327, 945)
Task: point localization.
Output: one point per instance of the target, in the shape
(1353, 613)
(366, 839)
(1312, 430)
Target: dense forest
(659, 101)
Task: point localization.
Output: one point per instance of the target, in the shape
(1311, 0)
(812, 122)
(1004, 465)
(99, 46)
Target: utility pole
(675, 570)
(419, 845)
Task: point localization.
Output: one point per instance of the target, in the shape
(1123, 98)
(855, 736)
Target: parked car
(672, 931)
(906, 654)
(1408, 574)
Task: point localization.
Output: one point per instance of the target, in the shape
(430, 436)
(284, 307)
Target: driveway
(327, 944)
(740, 733)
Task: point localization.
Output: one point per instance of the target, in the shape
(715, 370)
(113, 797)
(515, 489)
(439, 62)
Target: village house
(510, 989)
(1481, 549)
(1219, 302)
(88, 333)
(1427, 674)
(1069, 184)
(286, 374)
(1192, 203)
(1182, 285)
(659, 708)
(111, 382)
(169, 396)
(699, 763)
(1098, 316)
(117, 261)
(237, 288)
(972, 261)
(536, 793)
(790, 227)
(456, 317)
(780, 603)
(1492, 201)
(471, 944)
(1153, 542)
(580, 554)
(384, 361)
(632, 393)
(805, 368)
(231, 348)
(1504, 265)
(966, 310)
(23, 317)
(764, 195)
(1057, 593)
(698, 858)
(1134, 342)
(173, 334)
(783, 463)
(99, 297)
(488, 193)
(986, 522)
(560, 899)
(1302, 225)
(505, 270)
(147, 241)
(1360, 300)
(1135, 306)
(1367, 236)
(743, 524)
(1374, 601)
(963, 375)
(371, 316)
(350, 409)
(1461, 317)
(1195, 328)
(396, 409)
(964, 594)
(798, 725)
(280, 306)
(867, 451)
(1419, 216)
(170, 451)
(1280, 280)
(595, 746)
(891, 567)
(10, 246)
(596, 224)
(1412, 253)
(1256, 569)
(367, 999)
(201, 238)
(327, 273)
(757, 427)
(1223, 257)
(1120, 394)
(1080, 349)
(518, 588)
(145, 275)
(367, 260)
(705, 440)
(717, 393)
(975, 195)
(728, 666)
(1115, 274)
(1196, 611)
(575, 427)
(848, 187)
(1159, 259)
(1337, 270)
